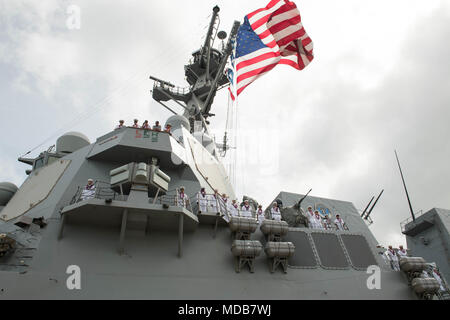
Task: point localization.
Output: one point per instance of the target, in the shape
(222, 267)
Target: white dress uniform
(202, 200)
(182, 199)
(318, 222)
(401, 254)
(310, 219)
(246, 211)
(260, 215)
(233, 210)
(118, 126)
(276, 214)
(212, 204)
(339, 223)
(88, 192)
(394, 260)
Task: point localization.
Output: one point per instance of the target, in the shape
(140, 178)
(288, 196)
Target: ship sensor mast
(204, 73)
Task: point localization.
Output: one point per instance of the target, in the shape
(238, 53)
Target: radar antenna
(204, 73)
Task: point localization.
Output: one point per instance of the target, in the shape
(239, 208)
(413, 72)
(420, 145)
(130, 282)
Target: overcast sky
(380, 81)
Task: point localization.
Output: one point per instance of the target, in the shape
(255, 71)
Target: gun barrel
(362, 214)
(373, 206)
(301, 200)
(162, 82)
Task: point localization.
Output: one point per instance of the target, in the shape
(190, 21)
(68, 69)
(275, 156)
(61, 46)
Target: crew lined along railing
(102, 190)
(210, 203)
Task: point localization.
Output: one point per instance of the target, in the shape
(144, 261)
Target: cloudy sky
(380, 81)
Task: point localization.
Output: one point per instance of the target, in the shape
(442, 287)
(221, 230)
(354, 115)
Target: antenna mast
(204, 73)
(406, 190)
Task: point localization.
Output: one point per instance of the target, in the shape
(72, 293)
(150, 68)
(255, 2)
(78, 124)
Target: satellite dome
(177, 121)
(7, 190)
(71, 142)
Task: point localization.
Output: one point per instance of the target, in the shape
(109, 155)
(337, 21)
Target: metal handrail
(176, 90)
(410, 219)
(102, 191)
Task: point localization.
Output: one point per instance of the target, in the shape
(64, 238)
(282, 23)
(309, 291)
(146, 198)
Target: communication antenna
(222, 35)
(404, 185)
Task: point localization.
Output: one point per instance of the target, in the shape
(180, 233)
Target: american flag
(270, 36)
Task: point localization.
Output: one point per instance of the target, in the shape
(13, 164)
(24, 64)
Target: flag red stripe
(257, 59)
(256, 72)
(284, 24)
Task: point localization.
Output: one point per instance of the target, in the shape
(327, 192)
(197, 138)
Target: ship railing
(184, 201)
(329, 225)
(217, 205)
(410, 219)
(175, 90)
(101, 190)
(207, 204)
(144, 132)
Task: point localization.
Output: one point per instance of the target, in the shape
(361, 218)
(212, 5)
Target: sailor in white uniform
(213, 200)
(393, 259)
(88, 191)
(157, 126)
(275, 212)
(327, 222)
(339, 223)
(182, 198)
(435, 273)
(310, 216)
(260, 214)
(145, 125)
(401, 253)
(202, 201)
(120, 125)
(246, 210)
(317, 221)
(135, 123)
(233, 209)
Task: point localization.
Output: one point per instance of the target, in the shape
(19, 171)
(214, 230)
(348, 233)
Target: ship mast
(205, 75)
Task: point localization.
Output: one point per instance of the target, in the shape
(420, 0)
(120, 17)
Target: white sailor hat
(182, 187)
(90, 180)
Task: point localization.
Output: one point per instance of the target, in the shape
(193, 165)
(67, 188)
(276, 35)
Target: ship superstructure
(135, 234)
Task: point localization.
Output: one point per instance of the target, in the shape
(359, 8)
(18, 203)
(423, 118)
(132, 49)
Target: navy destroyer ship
(140, 213)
